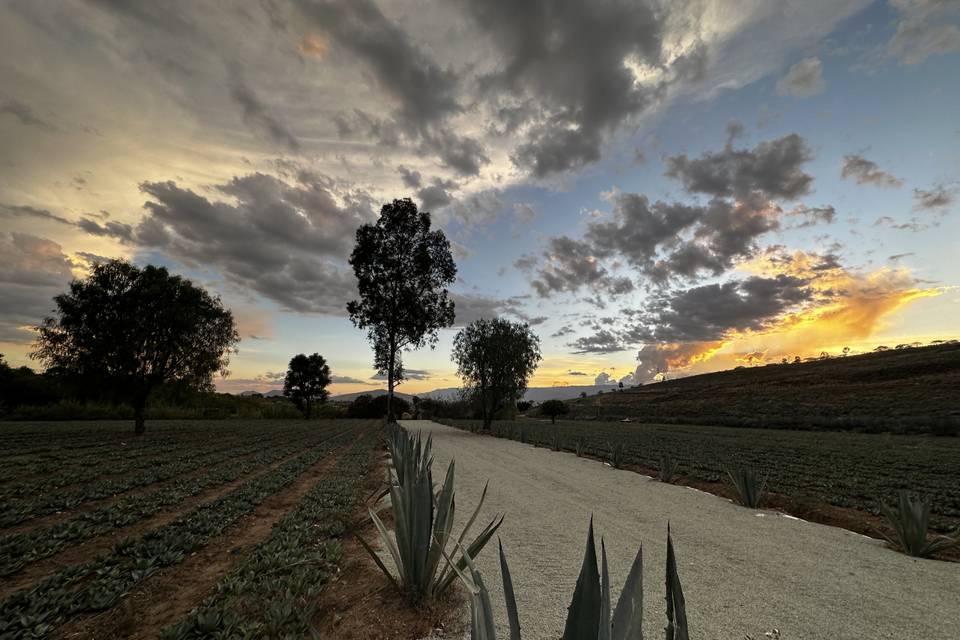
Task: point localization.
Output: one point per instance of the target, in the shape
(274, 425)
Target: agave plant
(423, 525)
(556, 443)
(589, 615)
(617, 454)
(910, 519)
(580, 446)
(748, 484)
(668, 467)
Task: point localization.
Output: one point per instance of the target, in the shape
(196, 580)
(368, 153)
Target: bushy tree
(495, 359)
(554, 408)
(306, 381)
(402, 268)
(375, 407)
(134, 329)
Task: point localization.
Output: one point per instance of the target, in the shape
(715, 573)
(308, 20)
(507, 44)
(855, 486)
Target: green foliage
(423, 522)
(554, 408)
(668, 467)
(495, 359)
(375, 407)
(402, 270)
(580, 446)
(910, 520)
(133, 329)
(589, 615)
(306, 381)
(556, 442)
(748, 484)
(618, 454)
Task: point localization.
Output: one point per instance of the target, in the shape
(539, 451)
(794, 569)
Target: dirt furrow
(37, 571)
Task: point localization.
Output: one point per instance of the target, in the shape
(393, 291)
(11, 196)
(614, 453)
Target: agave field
(852, 470)
(94, 521)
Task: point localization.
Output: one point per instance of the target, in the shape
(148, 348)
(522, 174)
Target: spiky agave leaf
(583, 614)
(603, 633)
(911, 523)
(676, 607)
(513, 616)
(627, 621)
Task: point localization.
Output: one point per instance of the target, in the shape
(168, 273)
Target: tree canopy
(554, 408)
(495, 358)
(402, 270)
(136, 328)
(306, 381)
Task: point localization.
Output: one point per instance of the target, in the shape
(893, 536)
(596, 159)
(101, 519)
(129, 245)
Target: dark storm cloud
(572, 264)
(771, 169)
(562, 66)
(257, 115)
(709, 312)
(32, 271)
(110, 229)
(703, 314)
(25, 115)
(937, 197)
(603, 341)
(410, 177)
(865, 171)
(472, 307)
(283, 241)
(426, 93)
(20, 211)
(639, 228)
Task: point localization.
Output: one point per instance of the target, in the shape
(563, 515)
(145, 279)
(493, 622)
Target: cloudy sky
(662, 187)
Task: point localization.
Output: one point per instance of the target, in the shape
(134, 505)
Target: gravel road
(744, 571)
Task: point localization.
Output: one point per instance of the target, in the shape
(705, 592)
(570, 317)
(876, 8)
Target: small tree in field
(132, 329)
(306, 381)
(495, 359)
(402, 270)
(554, 408)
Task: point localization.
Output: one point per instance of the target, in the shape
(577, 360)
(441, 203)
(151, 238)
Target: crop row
(170, 466)
(842, 469)
(19, 549)
(271, 593)
(99, 584)
(94, 466)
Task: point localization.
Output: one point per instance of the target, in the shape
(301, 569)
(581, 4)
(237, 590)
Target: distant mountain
(273, 393)
(534, 394)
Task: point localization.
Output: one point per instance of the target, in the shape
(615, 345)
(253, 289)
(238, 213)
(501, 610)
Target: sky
(657, 188)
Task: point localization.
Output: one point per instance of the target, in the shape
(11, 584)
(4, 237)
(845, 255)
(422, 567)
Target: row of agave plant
(423, 531)
(908, 518)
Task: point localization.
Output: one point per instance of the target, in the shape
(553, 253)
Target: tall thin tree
(402, 268)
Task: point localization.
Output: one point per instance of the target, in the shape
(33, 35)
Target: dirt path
(744, 571)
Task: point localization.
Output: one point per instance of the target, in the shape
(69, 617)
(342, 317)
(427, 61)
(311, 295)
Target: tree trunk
(308, 409)
(553, 419)
(139, 405)
(392, 362)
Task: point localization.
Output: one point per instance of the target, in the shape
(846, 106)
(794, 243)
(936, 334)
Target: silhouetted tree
(374, 407)
(620, 385)
(495, 358)
(402, 270)
(524, 406)
(554, 408)
(796, 359)
(306, 381)
(135, 329)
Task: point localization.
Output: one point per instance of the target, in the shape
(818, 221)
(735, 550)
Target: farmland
(811, 469)
(239, 520)
(911, 390)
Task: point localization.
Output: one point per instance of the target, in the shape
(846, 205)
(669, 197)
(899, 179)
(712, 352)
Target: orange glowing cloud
(312, 45)
(849, 307)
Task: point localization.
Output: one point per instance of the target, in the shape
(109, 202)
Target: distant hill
(909, 389)
(273, 393)
(534, 394)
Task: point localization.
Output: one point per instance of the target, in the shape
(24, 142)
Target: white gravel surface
(744, 571)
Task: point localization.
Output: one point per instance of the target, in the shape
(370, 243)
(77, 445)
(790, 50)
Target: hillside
(533, 394)
(915, 389)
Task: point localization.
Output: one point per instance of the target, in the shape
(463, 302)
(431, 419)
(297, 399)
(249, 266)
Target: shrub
(375, 407)
(556, 443)
(748, 485)
(580, 446)
(910, 519)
